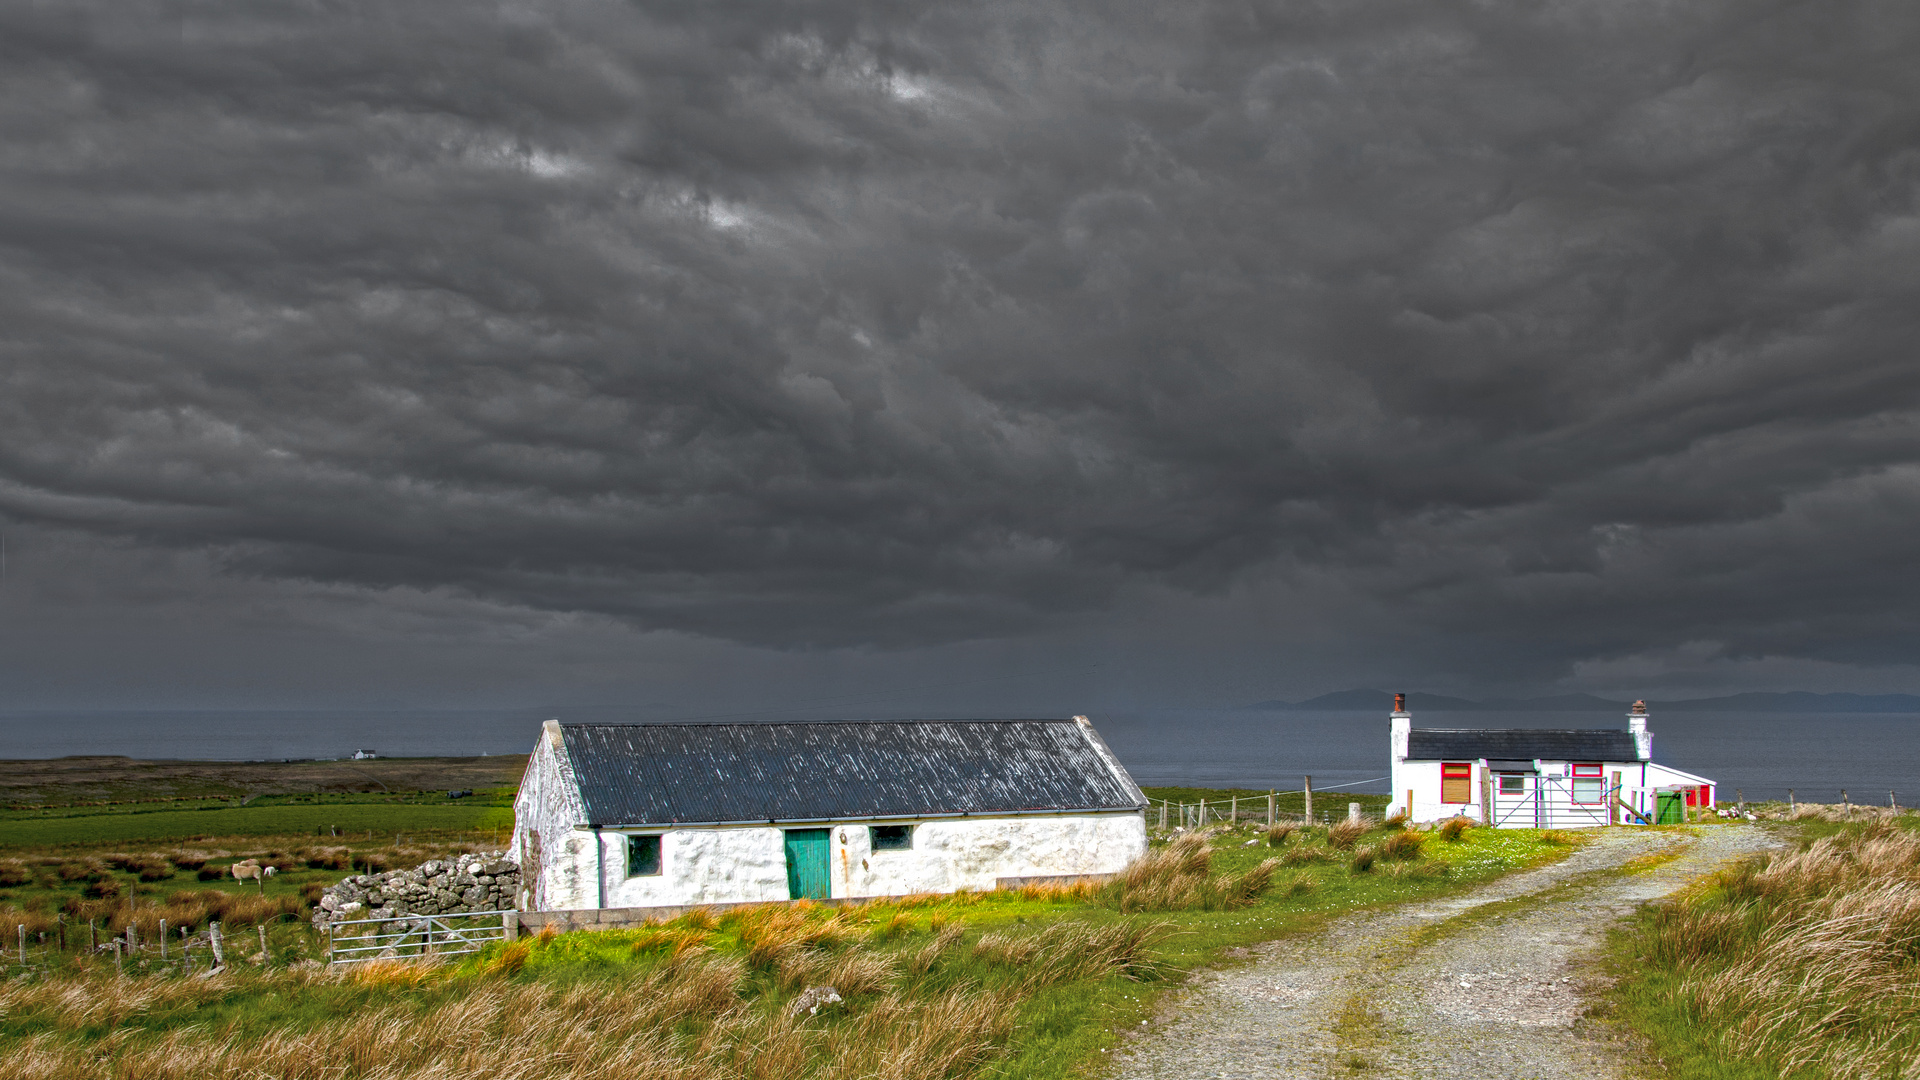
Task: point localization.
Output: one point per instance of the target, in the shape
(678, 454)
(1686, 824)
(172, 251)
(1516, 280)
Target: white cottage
(650, 815)
(1538, 778)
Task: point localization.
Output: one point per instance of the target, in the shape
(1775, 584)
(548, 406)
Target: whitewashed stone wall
(545, 843)
(748, 864)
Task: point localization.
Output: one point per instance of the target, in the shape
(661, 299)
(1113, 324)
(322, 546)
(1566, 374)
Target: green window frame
(643, 856)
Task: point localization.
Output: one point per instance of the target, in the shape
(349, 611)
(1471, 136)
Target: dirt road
(1484, 984)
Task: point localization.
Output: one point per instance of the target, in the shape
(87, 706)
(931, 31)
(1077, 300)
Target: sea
(1757, 755)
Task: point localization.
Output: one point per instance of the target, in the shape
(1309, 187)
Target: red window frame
(1456, 770)
(1589, 771)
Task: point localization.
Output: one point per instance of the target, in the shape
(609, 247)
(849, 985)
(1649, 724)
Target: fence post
(1353, 811)
(163, 939)
(1203, 814)
(1739, 801)
(219, 946)
(62, 923)
(117, 968)
(1270, 808)
(1790, 805)
(1846, 802)
(1306, 813)
(510, 920)
(1233, 813)
(23, 944)
(265, 957)
(1890, 804)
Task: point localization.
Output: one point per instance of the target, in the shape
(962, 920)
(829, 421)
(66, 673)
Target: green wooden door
(807, 864)
(1673, 808)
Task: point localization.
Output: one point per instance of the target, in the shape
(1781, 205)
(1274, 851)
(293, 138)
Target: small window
(643, 856)
(891, 837)
(1513, 784)
(1588, 786)
(1456, 782)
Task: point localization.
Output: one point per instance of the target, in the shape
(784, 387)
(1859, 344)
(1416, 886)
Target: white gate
(1548, 804)
(413, 937)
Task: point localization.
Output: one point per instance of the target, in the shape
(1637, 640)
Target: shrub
(1278, 835)
(1363, 860)
(1399, 819)
(1455, 829)
(1342, 836)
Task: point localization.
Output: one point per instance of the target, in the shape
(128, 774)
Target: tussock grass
(1455, 828)
(1343, 834)
(678, 1002)
(1804, 964)
(1404, 844)
(1177, 878)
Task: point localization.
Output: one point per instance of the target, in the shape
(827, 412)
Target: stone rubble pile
(487, 881)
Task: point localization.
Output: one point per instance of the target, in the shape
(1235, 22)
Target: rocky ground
(1485, 984)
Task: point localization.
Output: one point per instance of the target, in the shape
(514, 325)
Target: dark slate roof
(1464, 744)
(639, 774)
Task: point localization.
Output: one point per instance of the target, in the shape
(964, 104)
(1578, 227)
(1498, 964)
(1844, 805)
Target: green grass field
(347, 819)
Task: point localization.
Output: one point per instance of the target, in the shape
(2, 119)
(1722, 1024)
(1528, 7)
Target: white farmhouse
(660, 815)
(1538, 778)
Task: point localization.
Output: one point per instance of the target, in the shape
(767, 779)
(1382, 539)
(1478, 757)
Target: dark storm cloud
(1574, 329)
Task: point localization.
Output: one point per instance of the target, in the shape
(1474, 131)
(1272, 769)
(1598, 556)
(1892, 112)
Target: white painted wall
(731, 864)
(548, 807)
(1423, 777)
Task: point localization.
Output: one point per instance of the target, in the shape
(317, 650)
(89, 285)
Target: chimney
(1402, 727)
(1637, 724)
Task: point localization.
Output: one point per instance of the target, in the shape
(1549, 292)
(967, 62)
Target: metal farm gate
(1548, 804)
(414, 937)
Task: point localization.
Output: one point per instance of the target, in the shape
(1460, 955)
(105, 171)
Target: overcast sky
(1023, 356)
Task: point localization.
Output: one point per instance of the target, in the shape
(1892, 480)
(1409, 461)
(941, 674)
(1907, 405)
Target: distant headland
(1790, 701)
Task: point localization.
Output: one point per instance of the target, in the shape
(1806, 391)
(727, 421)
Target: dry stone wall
(487, 881)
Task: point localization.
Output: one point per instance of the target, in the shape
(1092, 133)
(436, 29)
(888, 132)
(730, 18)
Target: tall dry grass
(684, 1011)
(1809, 960)
(1178, 878)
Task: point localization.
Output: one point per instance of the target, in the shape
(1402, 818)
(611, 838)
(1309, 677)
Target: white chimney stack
(1637, 724)
(1402, 724)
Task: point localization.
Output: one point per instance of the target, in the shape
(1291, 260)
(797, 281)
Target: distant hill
(1369, 701)
(1791, 701)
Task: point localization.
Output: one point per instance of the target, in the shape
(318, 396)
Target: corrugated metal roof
(1592, 744)
(639, 774)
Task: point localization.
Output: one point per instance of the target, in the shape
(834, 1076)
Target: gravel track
(1482, 984)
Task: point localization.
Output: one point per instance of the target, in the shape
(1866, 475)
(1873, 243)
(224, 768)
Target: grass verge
(1797, 964)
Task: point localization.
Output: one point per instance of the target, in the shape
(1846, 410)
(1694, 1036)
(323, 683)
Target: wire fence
(171, 950)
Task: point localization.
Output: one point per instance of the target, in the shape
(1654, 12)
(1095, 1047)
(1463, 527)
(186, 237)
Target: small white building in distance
(659, 815)
(1522, 778)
